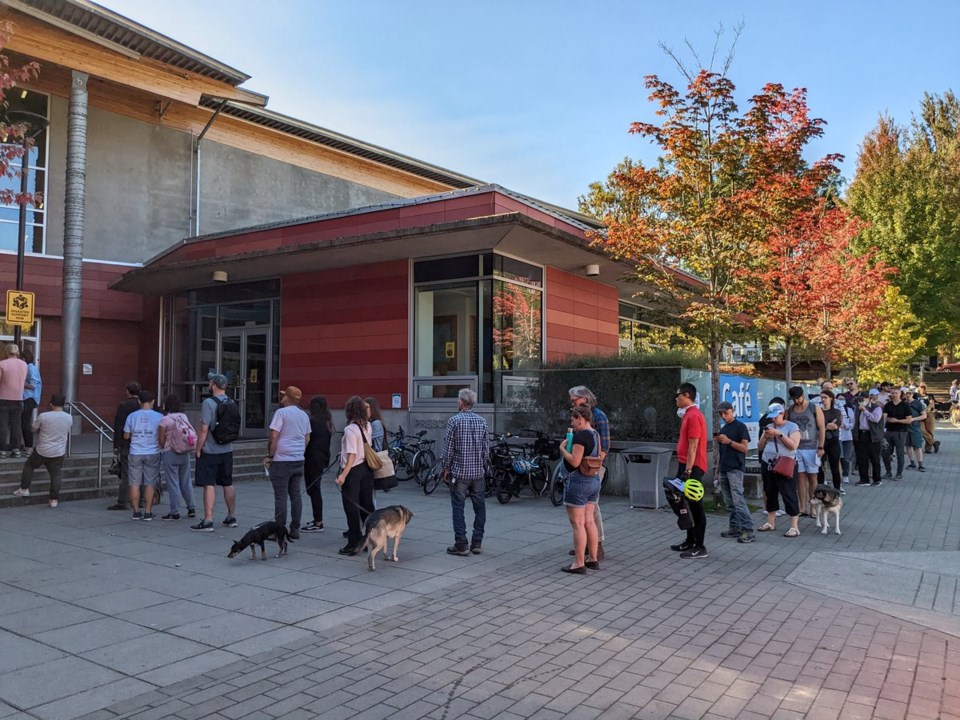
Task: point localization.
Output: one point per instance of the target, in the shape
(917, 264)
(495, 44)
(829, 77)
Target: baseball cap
(774, 410)
(795, 392)
(874, 392)
(293, 393)
(724, 406)
(218, 379)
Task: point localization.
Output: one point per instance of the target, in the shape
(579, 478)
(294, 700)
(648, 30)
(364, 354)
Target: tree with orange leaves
(725, 181)
(12, 132)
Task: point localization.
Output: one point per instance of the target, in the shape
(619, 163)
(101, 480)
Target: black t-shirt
(900, 411)
(833, 415)
(585, 438)
(731, 458)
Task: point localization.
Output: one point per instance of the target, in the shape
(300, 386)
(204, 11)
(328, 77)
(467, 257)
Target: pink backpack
(182, 437)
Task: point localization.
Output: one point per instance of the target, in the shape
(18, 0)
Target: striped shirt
(465, 446)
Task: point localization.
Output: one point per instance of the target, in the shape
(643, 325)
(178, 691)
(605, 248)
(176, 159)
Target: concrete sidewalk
(112, 618)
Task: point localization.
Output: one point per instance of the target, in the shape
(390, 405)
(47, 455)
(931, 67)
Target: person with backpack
(219, 427)
(178, 440)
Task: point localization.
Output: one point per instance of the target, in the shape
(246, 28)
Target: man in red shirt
(692, 457)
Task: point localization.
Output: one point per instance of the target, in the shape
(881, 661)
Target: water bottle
(569, 440)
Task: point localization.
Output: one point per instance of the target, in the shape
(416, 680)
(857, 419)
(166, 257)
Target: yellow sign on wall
(20, 305)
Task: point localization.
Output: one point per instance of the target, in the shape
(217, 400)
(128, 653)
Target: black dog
(258, 535)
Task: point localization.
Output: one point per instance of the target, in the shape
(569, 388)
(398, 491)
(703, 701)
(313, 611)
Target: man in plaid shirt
(464, 466)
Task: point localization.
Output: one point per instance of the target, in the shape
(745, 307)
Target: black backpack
(227, 428)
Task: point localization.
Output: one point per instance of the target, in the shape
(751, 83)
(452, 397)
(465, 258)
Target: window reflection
(18, 99)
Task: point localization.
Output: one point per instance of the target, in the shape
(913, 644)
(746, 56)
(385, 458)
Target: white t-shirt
(142, 426)
(52, 429)
(353, 444)
(292, 425)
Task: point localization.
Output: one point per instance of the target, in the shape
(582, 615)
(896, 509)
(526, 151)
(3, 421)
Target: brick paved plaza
(101, 617)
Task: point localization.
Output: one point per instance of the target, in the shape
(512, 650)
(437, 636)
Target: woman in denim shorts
(581, 493)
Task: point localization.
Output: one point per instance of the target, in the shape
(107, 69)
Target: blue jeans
(731, 485)
(458, 499)
(176, 469)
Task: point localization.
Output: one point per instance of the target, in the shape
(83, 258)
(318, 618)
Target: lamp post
(33, 124)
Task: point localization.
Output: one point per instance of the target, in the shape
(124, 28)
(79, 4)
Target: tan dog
(826, 502)
(381, 525)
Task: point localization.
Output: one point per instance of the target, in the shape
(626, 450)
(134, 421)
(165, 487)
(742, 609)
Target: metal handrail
(104, 430)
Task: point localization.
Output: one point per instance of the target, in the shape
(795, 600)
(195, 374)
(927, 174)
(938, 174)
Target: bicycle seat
(421, 433)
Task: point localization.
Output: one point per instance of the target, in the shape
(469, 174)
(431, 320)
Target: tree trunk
(715, 397)
(788, 361)
(827, 367)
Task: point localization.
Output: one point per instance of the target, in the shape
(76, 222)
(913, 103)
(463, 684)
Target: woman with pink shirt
(13, 376)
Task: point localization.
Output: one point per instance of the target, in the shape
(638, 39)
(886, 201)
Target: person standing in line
(809, 419)
(692, 458)
(582, 396)
(464, 458)
(13, 378)
(779, 439)
(214, 460)
(355, 479)
(32, 389)
(847, 458)
(52, 429)
(141, 430)
(174, 435)
(378, 430)
(733, 440)
(289, 435)
(868, 436)
(929, 426)
(833, 450)
(317, 458)
(580, 491)
(121, 446)
(918, 413)
(896, 420)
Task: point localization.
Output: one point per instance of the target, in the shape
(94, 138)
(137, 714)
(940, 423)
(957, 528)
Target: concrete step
(80, 476)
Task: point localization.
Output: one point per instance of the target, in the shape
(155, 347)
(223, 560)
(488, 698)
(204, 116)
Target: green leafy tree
(907, 188)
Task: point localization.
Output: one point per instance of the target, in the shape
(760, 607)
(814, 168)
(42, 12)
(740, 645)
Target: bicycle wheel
(401, 464)
(505, 488)
(422, 462)
(556, 485)
(538, 477)
(432, 479)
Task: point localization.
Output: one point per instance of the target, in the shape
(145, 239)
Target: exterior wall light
(220, 276)
(591, 270)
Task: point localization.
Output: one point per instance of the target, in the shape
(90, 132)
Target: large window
(476, 318)
(34, 102)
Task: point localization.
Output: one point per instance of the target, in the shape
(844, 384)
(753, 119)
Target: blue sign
(741, 392)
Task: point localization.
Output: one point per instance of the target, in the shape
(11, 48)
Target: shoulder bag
(370, 455)
(783, 464)
(590, 466)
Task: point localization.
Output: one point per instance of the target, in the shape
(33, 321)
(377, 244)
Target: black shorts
(214, 469)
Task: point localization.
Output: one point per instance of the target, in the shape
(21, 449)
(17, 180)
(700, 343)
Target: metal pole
(100, 460)
(22, 229)
(73, 228)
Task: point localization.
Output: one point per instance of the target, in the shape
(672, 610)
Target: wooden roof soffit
(71, 48)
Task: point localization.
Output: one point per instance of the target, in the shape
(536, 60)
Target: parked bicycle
(411, 459)
(513, 467)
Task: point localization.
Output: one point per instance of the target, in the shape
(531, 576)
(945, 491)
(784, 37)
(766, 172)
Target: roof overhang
(510, 233)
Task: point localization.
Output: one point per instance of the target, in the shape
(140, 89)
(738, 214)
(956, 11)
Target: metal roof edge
(234, 76)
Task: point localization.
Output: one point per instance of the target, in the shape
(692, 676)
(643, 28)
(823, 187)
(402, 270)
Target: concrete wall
(240, 188)
(139, 180)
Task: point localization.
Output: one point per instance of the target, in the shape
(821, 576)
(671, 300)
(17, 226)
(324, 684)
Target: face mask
(681, 412)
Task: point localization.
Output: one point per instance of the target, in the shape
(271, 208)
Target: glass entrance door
(244, 355)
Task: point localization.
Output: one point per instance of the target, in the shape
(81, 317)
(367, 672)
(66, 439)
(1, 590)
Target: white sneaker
(846, 479)
(21, 492)
(780, 513)
(54, 503)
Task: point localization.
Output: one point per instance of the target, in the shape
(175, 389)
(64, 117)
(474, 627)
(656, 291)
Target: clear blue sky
(537, 96)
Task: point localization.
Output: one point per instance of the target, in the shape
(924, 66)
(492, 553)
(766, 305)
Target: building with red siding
(219, 235)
